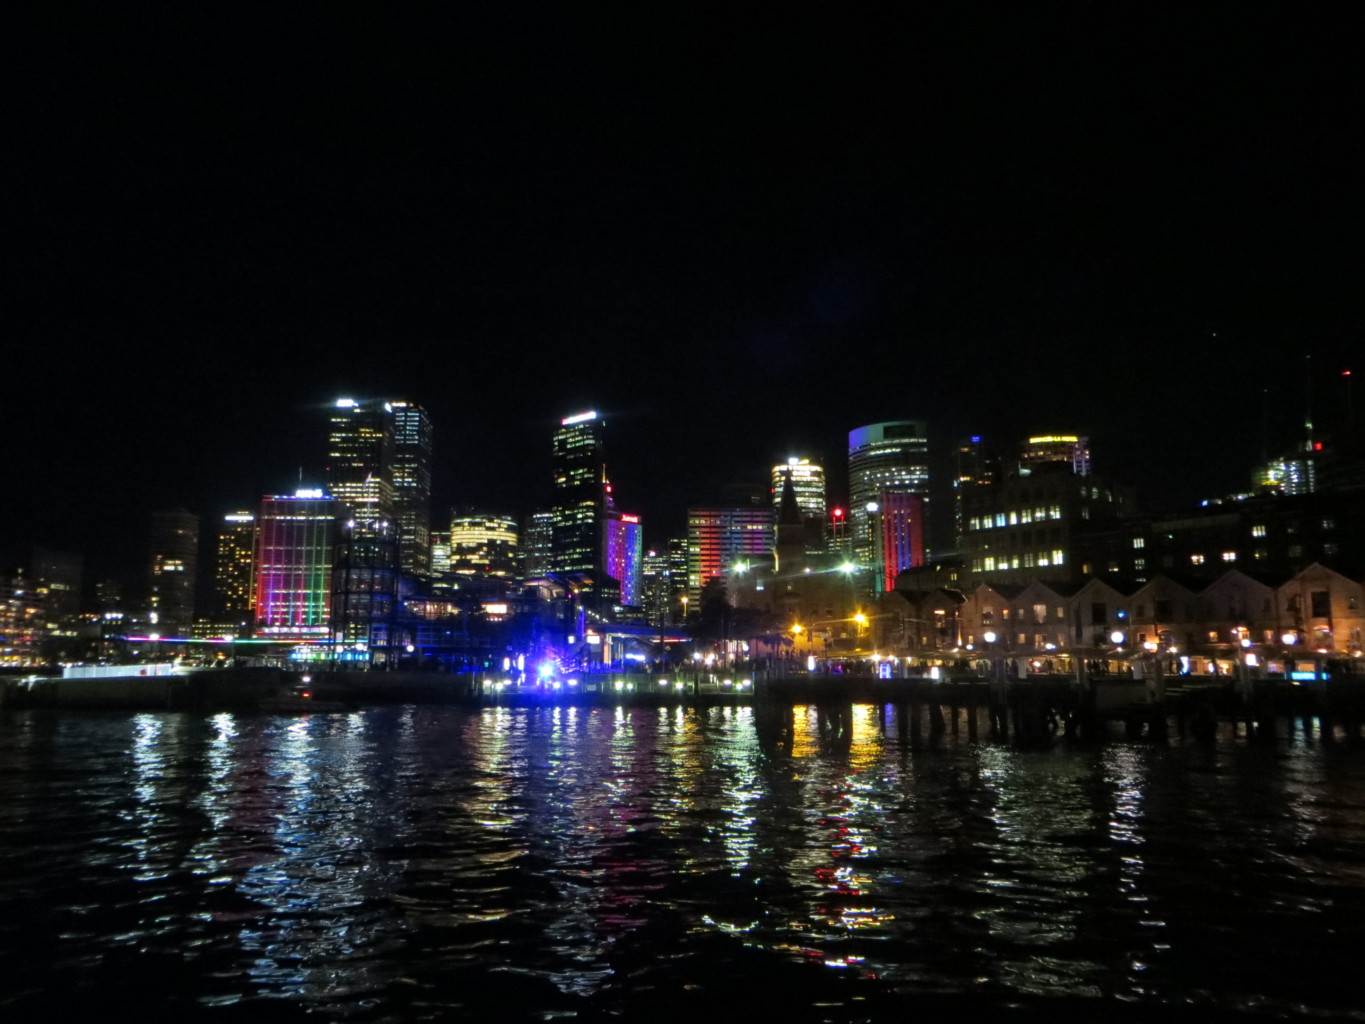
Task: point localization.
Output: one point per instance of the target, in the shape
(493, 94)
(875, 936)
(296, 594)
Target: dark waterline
(437, 863)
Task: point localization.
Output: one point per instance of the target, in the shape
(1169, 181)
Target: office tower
(718, 538)
(294, 557)
(379, 466)
(235, 566)
(172, 573)
(883, 458)
(1065, 448)
(360, 460)
(484, 542)
(411, 475)
(580, 503)
(976, 464)
(808, 481)
(537, 546)
(897, 537)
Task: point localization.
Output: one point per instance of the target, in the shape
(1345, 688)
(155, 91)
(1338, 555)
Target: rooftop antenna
(1265, 425)
(1308, 402)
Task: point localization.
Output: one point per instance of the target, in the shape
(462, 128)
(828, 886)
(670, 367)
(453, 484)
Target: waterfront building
(1066, 449)
(172, 573)
(1269, 535)
(883, 458)
(294, 560)
(719, 537)
(484, 542)
(1043, 525)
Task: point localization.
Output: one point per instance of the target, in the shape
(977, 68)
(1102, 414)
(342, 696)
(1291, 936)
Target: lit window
(1057, 556)
(1258, 530)
(1139, 564)
(1196, 559)
(1229, 556)
(1139, 542)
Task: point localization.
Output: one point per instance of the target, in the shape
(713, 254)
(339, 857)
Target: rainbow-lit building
(625, 555)
(717, 538)
(897, 526)
(297, 544)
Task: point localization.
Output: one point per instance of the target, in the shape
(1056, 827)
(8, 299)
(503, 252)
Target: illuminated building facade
(410, 472)
(580, 503)
(1068, 449)
(717, 538)
(172, 573)
(897, 537)
(883, 458)
(625, 555)
(483, 542)
(294, 557)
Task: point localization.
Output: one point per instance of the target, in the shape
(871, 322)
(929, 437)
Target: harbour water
(510, 864)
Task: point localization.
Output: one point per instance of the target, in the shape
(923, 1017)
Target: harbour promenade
(1034, 709)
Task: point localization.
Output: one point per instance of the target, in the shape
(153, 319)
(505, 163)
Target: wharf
(1034, 709)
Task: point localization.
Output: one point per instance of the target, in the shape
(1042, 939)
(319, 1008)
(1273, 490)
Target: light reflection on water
(430, 863)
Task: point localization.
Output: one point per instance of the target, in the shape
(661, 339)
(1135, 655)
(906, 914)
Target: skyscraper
(883, 458)
(294, 558)
(172, 572)
(360, 460)
(411, 475)
(235, 567)
(580, 501)
(537, 544)
(808, 480)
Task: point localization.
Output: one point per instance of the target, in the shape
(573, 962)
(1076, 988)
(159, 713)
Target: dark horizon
(738, 241)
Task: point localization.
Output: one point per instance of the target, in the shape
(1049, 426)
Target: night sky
(737, 237)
